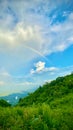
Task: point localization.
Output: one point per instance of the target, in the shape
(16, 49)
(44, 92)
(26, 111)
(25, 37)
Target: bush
(36, 118)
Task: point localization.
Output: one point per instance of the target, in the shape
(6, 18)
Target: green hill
(56, 91)
(3, 103)
(50, 107)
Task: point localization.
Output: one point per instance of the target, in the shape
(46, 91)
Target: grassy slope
(49, 108)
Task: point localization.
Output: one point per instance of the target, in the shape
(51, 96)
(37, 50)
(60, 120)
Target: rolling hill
(50, 107)
(57, 90)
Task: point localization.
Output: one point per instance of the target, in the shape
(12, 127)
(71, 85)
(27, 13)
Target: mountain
(56, 90)
(50, 107)
(14, 98)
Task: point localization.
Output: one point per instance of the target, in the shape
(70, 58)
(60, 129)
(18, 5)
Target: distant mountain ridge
(14, 98)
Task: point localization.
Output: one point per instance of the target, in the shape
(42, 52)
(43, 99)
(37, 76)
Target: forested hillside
(4, 103)
(50, 92)
(49, 108)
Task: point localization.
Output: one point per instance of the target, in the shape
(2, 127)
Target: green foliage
(49, 108)
(36, 118)
(3, 103)
(50, 91)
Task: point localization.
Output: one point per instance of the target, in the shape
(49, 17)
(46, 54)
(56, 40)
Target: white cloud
(33, 39)
(2, 83)
(4, 73)
(16, 97)
(40, 67)
(41, 38)
(52, 69)
(25, 83)
(48, 81)
(21, 35)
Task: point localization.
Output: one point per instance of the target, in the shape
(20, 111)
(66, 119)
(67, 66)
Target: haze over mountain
(14, 98)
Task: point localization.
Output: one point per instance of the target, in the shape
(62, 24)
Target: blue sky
(36, 43)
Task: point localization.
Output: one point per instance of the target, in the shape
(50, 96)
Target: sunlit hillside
(49, 107)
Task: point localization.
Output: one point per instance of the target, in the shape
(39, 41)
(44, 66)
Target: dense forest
(50, 107)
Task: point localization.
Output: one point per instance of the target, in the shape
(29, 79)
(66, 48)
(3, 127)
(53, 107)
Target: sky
(36, 43)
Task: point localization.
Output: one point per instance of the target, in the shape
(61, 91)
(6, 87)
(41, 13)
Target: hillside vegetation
(50, 92)
(3, 103)
(50, 107)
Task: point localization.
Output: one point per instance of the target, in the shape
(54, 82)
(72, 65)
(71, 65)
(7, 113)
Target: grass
(36, 118)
